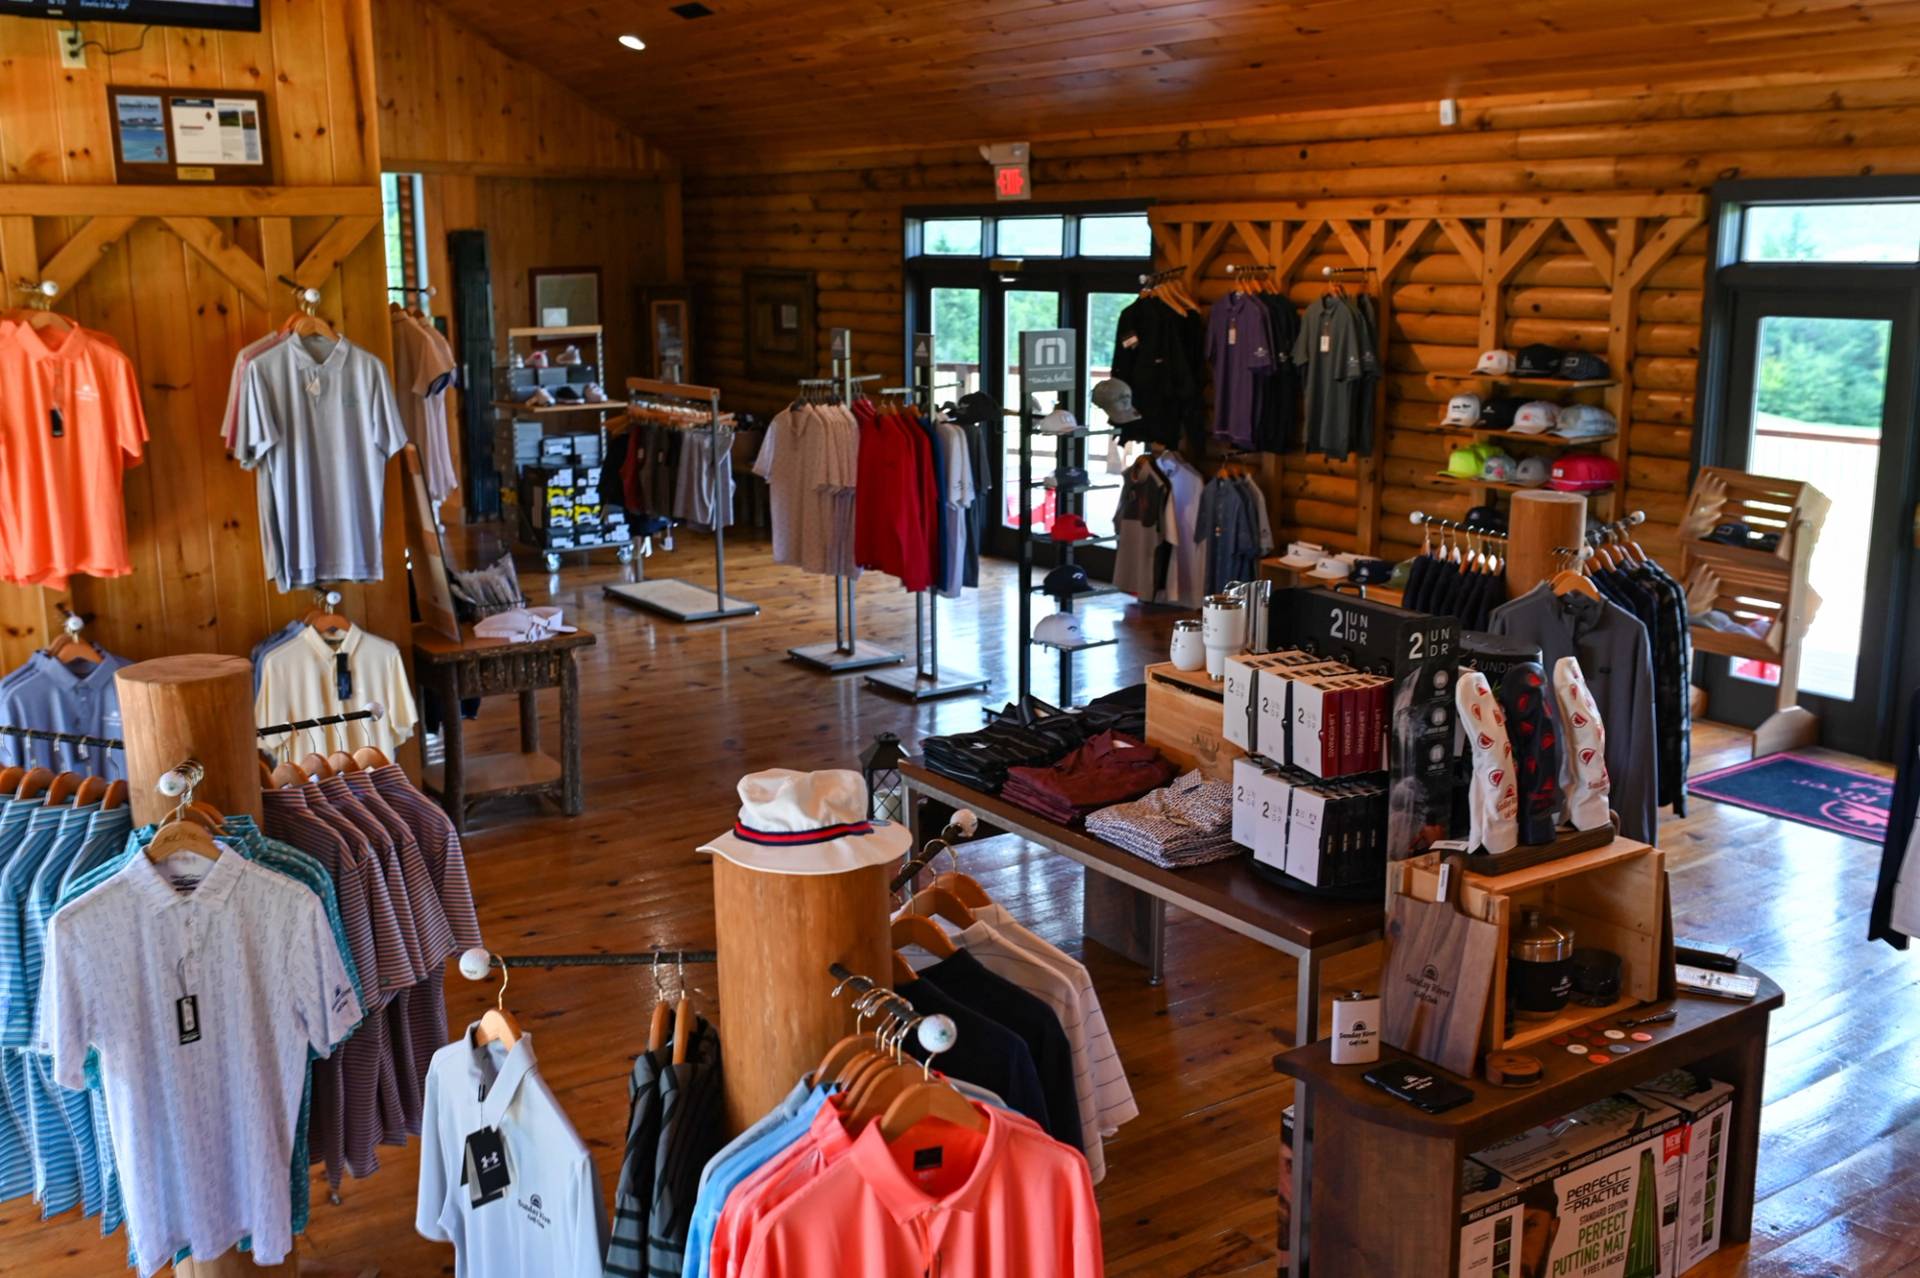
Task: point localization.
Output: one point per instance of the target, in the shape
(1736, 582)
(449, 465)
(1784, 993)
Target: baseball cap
(1062, 630)
(1486, 519)
(1464, 462)
(1579, 366)
(1500, 412)
(1115, 398)
(1331, 569)
(1462, 410)
(1584, 473)
(1067, 579)
(808, 823)
(1497, 469)
(1071, 478)
(1058, 422)
(1535, 417)
(1538, 360)
(1531, 472)
(1495, 363)
(1069, 527)
(1732, 533)
(976, 409)
(1302, 555)
(1585, 421)
(1373, 572)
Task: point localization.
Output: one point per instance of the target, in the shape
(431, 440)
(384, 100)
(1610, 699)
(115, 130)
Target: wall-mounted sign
(1046, 359)
(169, 137)
(1010, 182)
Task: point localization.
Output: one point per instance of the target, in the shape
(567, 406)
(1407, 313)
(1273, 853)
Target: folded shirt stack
(1189, 822)
(1108, 769)
(981, 759)
(1124, 711)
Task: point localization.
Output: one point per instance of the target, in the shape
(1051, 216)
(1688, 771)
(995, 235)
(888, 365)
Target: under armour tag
(486, 1174)
(342, 677)
(187, 1012)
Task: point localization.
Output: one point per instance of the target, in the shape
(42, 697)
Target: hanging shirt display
(70, 426)
(1160, 353)
(313, 677)
(320, 419)
(811, 460)
(424, 369)
(548, 1218)
(1335, 347)
(1240, 349)
(74, 696)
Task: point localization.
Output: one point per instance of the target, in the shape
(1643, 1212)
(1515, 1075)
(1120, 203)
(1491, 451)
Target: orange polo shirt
(61, 505)
(941, 1200)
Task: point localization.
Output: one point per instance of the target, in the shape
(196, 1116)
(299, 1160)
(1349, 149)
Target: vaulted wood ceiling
(777, 75)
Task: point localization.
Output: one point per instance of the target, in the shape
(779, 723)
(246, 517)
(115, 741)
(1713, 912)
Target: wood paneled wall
(840, 215)
(198, 583)
(451, 102)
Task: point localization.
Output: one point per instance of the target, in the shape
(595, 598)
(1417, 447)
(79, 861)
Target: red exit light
(1010, 181)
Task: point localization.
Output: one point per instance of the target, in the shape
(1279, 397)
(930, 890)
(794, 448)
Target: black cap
(1538, 360)
(1486, 519)
(977, 409)
(1578, 366)
(1372, 572)
(1067, 579)
(1500, 412)
(1731, 533)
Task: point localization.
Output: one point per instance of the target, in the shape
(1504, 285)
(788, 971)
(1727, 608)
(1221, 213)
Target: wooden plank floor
(676, 713)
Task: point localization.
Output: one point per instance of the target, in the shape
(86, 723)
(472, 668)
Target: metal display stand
(1047, 364)
(670, 597)
(927, 681)
(847, 652)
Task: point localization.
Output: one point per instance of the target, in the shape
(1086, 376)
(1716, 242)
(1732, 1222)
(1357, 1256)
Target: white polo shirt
(203, 1130)
(550, 1221)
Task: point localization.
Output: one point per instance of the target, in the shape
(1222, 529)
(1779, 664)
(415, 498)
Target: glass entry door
(1821, 389)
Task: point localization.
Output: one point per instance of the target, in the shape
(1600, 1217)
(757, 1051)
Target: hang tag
(1233, 334)
(1326, 342)
(928, 1161)
(486, 1174)
(342, 677)
(187, 1012)
(58, 421)
(1130, 341)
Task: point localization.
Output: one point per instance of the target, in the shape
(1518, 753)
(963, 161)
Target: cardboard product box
(1699, 1147)
(1491, 1223)
(1592, 1191)
(581, 374)
(549, 376)
(1238, 723)
(1273, 815)
(1246, 778)
(1271, 693)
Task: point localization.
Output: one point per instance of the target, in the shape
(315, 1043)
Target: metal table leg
(1306, 1029)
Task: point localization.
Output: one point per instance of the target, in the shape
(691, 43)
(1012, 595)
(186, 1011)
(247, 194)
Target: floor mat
(1796, 788)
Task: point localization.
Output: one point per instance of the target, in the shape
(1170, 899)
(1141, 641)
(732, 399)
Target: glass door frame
(1739, 295)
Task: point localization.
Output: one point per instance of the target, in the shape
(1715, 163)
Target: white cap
(1495, 363)
(523, 625)
(808, 823)
(1331, 569)
(1535, 417)
(1302, 555)
(1584, 421)
(1058, 422)
(1062, 630)
(1463, 410)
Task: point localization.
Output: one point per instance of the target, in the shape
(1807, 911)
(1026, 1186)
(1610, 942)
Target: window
(953, 237)
(1121, 235)
(1031, 237)
(402, 201)
(1876, 231)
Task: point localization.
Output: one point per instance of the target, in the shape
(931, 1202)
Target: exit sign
(1010, 181)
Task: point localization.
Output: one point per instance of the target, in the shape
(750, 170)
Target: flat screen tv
(227, 15)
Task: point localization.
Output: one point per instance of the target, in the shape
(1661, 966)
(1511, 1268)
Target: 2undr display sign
(226, 15)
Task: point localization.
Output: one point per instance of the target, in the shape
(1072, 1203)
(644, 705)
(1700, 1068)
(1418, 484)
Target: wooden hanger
(92, 790)
(682, 1028)
(10, 779)
(1570, 581)
(290, 774)
(929, 1099)
(839, 1057)
(33, 784)
(880, 1090)
(340, 761)
(317, 765)
(266, 777)
(660, 1027)
(971, 894)
(938, 902)
(917, 929)
(188, 828)
(64, 787)
(329, 623)
(69, 644)
(116, 796)
(371, 757)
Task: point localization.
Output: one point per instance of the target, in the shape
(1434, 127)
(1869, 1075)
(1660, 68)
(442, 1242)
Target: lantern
(880, 765)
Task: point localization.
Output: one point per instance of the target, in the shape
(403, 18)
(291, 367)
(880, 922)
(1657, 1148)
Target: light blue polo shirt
(64, 696)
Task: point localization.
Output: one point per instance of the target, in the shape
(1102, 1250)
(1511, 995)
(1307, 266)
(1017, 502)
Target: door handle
(1916, 526)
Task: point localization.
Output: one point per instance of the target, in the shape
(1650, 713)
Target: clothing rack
(1600, 534)
(927, 681)
(374, 711)
(1420, 518)
(645, 958)
(408, 290)
(669, 597)
(847, 652)
(1154, 279)
(1345, 272)
(59, 738)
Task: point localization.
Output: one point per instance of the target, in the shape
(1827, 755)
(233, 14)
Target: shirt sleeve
(432, 1195)
(383, 413)
(256, 433)
(401, 717)
(763, 461)
(322, 993)
(129, 415)
(586, 1224)
(65, 1019)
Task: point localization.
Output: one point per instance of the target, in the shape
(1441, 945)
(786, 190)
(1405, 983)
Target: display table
(496, 667)
(1383, 1160)
(1124, 905)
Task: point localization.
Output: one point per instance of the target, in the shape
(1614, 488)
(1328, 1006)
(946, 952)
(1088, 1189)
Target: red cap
(1584, 473)
(1070, 527)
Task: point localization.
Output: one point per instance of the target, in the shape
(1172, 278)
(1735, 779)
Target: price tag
(187, 1012)
(486, 1174)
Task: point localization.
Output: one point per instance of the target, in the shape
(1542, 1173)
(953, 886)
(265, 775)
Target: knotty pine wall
(840, 215)
(198, 583)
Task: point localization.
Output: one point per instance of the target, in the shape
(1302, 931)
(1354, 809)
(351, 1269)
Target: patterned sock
(1493, 798)
(1533, 729)
(1583, 764)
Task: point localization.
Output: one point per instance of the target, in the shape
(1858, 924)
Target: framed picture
(565, 296)
(663, 340)
(780, 308)
(174, 137)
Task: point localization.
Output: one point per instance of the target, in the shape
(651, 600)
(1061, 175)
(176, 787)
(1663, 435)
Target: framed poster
(565, 296)
(780, 325)
(172, 137)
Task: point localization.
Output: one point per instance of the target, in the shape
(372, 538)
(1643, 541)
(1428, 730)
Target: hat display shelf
(928, 680)
(1048, 367)
(510, 413)
(847, 652)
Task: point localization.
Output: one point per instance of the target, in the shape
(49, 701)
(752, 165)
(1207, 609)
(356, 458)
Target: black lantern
(880, 765)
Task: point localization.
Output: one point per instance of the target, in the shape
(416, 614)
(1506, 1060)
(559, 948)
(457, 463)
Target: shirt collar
(903, 1199)
(213, 889)
(318, 642)
(506, 1084)
(65, 675)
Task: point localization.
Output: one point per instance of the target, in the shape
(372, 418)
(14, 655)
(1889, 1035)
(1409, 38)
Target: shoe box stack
(516, 384)
(564, 512)
(1627, 1187)
(532, 446)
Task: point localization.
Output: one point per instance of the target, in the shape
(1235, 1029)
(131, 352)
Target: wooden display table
(1124, 905)
(496, 667)
(1379, 1159)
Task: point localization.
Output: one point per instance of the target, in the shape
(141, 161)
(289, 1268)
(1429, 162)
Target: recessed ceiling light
(633, 42)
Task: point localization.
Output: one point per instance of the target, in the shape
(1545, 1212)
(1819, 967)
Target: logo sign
(923, 350)
(1046, 360)
(1010, 182)
(840, 342)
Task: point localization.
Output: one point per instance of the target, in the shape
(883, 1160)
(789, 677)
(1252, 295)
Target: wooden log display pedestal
(776, 935)
(1540, 521)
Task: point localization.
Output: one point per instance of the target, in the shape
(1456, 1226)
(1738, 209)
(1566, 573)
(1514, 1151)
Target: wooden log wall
(167, 295)
(840, 215)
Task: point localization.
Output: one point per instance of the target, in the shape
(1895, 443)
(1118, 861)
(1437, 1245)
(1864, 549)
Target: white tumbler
(1223, 628)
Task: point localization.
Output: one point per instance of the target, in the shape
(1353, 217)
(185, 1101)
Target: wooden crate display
(1755, 585)
(1184, 709)
(1612, 897)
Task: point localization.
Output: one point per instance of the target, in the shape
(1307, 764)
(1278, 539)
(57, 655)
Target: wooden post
(777, 934)
(1539, 521)
(179, 708)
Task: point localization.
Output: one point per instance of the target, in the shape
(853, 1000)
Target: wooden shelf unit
(1547, 383)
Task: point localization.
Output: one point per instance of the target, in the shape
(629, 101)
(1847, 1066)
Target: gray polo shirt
(55, 696)
(1331, 347)
(321, 422)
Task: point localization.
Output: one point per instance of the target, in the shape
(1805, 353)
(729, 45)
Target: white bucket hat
(808, 823)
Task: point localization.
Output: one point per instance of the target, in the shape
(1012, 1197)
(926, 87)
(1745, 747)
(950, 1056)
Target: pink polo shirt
(786, 1174)
(942, 1200)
